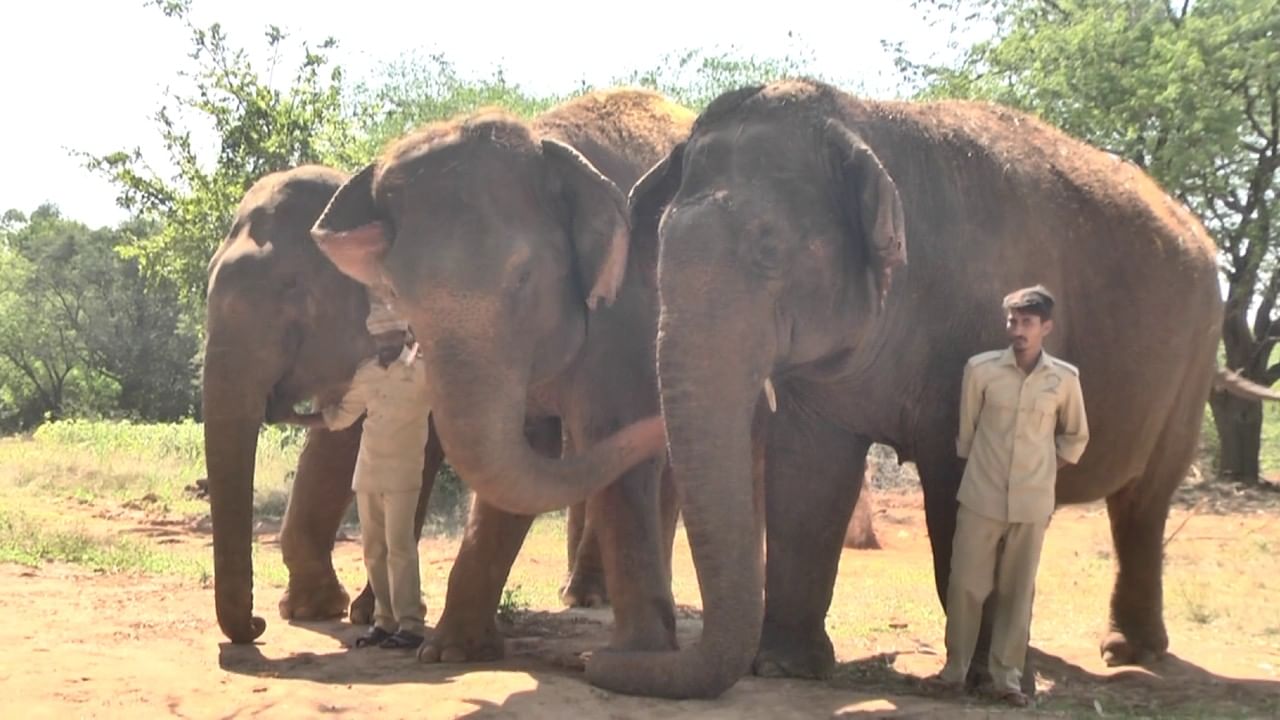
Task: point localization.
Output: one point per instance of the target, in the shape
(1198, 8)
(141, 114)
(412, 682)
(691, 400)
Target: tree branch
(1262, 322)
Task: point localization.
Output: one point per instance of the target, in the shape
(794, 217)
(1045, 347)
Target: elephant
(505, 244)
(793, 326)
(284, 325)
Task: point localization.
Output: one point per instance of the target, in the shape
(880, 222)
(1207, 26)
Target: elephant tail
(1236, 384)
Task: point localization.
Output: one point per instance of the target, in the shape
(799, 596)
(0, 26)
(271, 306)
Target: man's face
(1026, 331)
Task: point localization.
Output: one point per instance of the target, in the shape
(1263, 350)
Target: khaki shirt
(394, 438)
(1013, 428)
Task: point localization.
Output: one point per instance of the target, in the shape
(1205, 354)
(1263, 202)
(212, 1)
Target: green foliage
(258, 129)
(81, 332)
(695, 77)
(513, 604)
(415, 90)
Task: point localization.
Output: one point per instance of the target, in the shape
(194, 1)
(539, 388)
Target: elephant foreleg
(630, 533)
(468, 631)
(813, 474)
(319, 498)
(362, 606)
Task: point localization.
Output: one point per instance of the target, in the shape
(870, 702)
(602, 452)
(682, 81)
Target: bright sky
(89, 74)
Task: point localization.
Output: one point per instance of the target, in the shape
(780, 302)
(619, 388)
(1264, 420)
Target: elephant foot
(452, 644)
(585, 589)
(797, 655)
(326, 600)
(361, 612)
(1133, 648)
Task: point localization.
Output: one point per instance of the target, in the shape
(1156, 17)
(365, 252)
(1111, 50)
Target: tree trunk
(1239, 425)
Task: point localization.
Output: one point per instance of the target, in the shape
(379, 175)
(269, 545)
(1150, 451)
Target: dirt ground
(82, 644)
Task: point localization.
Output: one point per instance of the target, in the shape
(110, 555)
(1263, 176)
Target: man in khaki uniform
(1021, 418)
(390, 390)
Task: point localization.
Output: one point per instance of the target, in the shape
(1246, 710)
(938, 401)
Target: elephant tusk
(770, 396)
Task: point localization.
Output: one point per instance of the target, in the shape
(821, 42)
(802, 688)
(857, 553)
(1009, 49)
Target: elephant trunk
(708, 412)
(232, 417)
(483, 437)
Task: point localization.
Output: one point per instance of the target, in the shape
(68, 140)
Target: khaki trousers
(976, 568)
(391, 559)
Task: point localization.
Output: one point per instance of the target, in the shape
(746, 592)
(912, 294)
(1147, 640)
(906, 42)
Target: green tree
(1188, 91)
(695, 77)
(256, 129)
(81, 332)
(417, 89)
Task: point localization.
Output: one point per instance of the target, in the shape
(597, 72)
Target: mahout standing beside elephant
(783, 223)
(505, 244)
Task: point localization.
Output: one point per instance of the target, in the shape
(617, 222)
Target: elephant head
(779, 233)
(282, 325)
(497, 246)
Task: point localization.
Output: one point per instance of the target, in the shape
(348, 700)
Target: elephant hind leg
(1138, 512)
(585, 586)
(1136, 630)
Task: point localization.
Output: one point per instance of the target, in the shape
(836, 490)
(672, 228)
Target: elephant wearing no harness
(284, 325)
(505, 244)
(847, 256)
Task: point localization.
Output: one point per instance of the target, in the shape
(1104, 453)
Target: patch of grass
(1196, 606)
(29, 543)
(513, 603)
(148, 464)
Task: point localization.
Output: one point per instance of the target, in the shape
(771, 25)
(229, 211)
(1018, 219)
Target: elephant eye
(768, 257)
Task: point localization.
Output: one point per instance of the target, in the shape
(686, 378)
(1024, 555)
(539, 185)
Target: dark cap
(1029, 297)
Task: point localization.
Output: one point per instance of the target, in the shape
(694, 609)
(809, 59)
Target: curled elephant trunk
(483, 437)
(232, 417)
(709, 421)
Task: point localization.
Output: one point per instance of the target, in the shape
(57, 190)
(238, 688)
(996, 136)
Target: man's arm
(970, 405)
(338, 416)
(306, 420)
(1073, 426)
(341, 415)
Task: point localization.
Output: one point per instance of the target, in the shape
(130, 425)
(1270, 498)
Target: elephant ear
(647, 201)
(871, 207)
(351, 233)
(596, 219)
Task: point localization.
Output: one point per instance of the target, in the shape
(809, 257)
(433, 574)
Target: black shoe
(376, 636)
(402, 640)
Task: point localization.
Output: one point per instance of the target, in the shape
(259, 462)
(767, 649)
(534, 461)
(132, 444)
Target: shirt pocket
(1046, 411)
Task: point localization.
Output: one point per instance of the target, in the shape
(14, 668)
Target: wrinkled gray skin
(782, 222)
(505, 245)
(285, 325)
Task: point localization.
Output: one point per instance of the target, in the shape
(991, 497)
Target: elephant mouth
(280, 403)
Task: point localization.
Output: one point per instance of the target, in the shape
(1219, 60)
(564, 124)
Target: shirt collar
(1008, 358)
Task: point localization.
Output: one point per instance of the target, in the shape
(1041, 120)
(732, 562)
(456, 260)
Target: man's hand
(309, 420)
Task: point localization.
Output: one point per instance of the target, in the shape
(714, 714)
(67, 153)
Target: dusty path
(82, 644)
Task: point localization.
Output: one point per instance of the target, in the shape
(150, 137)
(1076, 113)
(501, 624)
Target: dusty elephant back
(622, 131)
(994, 200)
